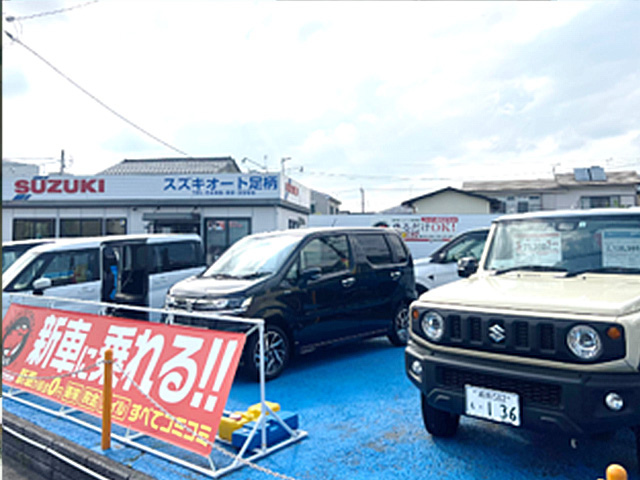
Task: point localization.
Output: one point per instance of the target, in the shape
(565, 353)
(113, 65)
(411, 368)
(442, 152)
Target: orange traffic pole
(106, 399)
(616, 472)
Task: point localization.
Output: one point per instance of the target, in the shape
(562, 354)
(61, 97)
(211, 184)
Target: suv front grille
(530, 392)
(520, 335)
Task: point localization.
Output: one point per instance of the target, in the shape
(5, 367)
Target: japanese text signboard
(187, 371)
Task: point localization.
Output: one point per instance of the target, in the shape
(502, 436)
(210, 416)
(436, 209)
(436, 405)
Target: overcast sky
(397, 98)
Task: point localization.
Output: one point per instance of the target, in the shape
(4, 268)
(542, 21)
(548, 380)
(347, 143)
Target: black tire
(399, 331)
(277, 352)
(438, 422)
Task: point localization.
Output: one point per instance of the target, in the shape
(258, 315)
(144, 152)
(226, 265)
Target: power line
(11, 18)
(96, 99)
(374, 177)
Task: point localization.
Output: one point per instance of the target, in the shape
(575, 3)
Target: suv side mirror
(310, 274)
(40, 285)
(467, 266)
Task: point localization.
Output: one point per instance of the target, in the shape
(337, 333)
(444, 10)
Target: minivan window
(330, 254)
(375, 248)
(168, 257)
(63, 268)
(254, 256)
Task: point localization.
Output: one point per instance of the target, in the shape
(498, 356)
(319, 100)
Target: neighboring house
(452, 201)
(323, 204)
(582, 189)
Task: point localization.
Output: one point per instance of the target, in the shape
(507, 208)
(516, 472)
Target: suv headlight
(584, 342)
(432, 325)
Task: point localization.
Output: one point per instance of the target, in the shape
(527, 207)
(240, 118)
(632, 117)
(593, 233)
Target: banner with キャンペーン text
(187, 371)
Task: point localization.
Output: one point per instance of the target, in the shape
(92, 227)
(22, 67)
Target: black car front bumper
(550, 399)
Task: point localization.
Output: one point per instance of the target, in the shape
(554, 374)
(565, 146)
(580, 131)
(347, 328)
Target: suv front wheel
(399, 331)
(277, 353)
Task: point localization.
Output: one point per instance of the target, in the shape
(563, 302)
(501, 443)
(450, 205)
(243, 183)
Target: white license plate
(503, 407)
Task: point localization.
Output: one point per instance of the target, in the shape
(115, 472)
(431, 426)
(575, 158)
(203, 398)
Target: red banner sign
(187, 371)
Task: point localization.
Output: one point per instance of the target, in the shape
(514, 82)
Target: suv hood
(199, 287)
(590, 294)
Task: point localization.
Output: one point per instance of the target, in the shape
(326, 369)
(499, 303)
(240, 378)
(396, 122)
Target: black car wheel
(277, 353)
(438, 422)
(399, 332)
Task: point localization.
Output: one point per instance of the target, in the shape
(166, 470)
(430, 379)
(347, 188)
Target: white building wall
(448, 202)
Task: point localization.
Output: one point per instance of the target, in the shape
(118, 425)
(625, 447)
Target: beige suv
(545, 335)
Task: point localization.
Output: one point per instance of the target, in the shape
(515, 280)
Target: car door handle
(348, 282)
(395, 275)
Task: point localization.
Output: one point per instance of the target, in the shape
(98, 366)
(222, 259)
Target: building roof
(173, 166)
(560, 181)
(326, 196)
(411, 201)
(629, 177)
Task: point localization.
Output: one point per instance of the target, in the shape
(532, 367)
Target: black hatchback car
(313, 287)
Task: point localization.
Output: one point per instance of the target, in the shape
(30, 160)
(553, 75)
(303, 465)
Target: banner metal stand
(243, 457)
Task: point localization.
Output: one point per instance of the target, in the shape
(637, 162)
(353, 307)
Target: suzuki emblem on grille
(497, 333)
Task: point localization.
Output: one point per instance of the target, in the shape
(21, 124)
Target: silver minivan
(123, 269)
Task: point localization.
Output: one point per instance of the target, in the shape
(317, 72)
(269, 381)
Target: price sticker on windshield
(538, 248)
(621, 248)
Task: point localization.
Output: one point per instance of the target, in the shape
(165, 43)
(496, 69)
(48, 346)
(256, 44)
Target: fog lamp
(614, 401)
(416, 367)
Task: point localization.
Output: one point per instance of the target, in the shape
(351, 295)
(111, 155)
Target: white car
(121, 269)
(442, 265)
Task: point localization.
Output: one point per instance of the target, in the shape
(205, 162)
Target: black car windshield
(574, 244)
(254, 256)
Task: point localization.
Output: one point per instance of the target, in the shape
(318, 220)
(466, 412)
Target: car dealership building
(208, 196)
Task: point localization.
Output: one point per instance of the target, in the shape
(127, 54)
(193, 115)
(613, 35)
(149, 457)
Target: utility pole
(362, 198)
(62, 163)
(285, 159)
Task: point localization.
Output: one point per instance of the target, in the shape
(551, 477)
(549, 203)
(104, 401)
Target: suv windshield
(575, 244)
(253, 257)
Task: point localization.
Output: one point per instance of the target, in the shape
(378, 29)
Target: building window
(600, 201)
(80, 227)
(24, 229)
(221, 233)
(292, 224)
(115, 226)
(523, 206)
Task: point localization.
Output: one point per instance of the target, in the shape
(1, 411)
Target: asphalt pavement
(363, 419)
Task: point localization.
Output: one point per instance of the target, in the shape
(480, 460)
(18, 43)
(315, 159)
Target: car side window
(330, 254)
(399, 250)
(63, 268)
(470, 246)
(168, 257)
(24, 280)
(375, 248)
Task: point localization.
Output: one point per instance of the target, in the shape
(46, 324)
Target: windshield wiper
(255, 275)
(531, 268)
(603, 270)
(219, 276)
